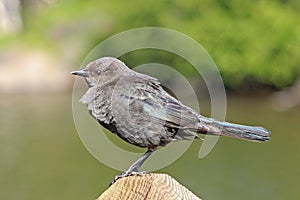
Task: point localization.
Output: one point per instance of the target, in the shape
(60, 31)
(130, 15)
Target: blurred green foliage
(250, 41)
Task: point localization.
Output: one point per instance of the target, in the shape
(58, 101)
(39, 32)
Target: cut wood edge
(147, 187)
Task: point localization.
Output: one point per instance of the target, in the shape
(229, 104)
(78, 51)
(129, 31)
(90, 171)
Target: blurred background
(255, 44)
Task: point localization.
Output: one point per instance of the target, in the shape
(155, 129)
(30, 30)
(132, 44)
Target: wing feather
(158, 104)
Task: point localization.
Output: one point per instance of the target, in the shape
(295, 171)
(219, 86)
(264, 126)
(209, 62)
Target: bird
(136, 107)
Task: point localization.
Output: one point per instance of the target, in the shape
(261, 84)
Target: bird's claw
(125, 174)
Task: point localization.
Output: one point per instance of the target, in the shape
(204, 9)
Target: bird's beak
(80, 72)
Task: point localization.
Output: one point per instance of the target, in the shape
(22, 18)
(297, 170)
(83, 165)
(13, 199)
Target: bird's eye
(98, 72)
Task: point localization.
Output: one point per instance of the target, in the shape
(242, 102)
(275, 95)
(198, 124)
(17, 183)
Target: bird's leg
(134, 168)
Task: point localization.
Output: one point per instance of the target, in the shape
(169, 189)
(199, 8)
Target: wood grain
(147, 187)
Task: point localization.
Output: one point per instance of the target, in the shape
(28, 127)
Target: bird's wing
(146, 93)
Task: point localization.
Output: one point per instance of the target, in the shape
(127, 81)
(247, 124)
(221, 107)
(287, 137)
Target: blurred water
(41, 156)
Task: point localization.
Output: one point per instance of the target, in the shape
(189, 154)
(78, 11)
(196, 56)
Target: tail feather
(252, 133)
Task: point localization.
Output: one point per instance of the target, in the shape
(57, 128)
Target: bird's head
(101, 70)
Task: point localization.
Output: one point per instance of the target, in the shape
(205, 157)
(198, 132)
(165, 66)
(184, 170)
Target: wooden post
(147, 187)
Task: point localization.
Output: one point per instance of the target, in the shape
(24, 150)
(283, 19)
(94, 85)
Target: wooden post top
(147, 187)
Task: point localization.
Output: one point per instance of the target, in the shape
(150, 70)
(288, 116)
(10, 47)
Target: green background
(255, 45)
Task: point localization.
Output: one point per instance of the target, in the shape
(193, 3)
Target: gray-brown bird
(136, 108)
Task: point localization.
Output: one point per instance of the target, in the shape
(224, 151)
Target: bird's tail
(252, 133)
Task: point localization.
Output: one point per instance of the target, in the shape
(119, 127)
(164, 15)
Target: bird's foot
(128, 173)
